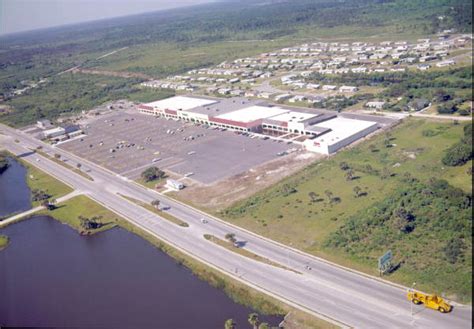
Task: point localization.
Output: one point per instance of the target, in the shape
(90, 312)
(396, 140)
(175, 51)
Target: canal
(52, 276)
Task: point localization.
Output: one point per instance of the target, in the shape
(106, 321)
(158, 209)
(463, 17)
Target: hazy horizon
(26, 15)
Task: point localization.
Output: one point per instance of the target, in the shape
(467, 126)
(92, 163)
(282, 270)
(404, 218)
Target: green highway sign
(385, 260)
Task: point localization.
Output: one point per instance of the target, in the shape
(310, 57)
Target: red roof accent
(145, 107)
(173, 112)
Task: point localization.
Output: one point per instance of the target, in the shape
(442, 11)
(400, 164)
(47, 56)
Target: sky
(24, 15)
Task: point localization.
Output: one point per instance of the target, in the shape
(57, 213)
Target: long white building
(322, 131)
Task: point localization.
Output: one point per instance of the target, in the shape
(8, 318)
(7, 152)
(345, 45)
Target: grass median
(64, 164)
(246, 253)
(161, 213)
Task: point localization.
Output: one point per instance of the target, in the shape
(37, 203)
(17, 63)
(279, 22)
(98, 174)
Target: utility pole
(411, 303)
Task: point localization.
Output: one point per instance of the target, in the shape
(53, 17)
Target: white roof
(180, 103)
(54, 130)
(294, 116)
(341, 128)
(252, 113)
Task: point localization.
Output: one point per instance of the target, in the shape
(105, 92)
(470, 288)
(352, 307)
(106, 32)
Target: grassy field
(288, 213)
(162, 59)
(68, 213)
(37, 179)
(3, 241)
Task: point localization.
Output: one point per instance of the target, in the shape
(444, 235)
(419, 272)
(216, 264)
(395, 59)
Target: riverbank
(37, 179)
(70, 211)
(74, 211)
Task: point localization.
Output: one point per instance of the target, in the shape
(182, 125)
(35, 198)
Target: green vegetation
(174, 41)
(231, 245)
(57, 158)
(84, 215)
(153, 207)
(72, 93)
(427, 225)
(307, 208)
(3, 241)
(152, 174)
(230, 324)
(461, 152)
(448, 88)
(42, 185)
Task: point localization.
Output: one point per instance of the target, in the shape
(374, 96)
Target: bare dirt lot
(227, 191)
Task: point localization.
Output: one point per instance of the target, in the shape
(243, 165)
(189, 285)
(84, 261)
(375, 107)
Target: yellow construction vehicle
(431, 301)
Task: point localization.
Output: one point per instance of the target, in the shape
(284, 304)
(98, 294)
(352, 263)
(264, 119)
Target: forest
(424, 224)
(33, 55)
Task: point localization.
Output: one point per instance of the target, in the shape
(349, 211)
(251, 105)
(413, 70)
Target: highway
(345, 296)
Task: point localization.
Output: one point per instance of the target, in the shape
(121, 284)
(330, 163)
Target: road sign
(385, 261)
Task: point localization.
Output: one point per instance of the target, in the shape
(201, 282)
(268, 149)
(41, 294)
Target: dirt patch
(111, 73)
(223, 193)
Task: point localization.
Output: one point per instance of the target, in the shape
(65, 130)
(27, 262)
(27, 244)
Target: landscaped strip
(244, 252)
(161, 213)
(64, 164)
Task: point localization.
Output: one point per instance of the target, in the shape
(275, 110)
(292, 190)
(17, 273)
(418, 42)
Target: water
(52, 276)
(14, 192)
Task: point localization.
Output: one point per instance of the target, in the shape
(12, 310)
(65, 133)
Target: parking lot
(128, 143)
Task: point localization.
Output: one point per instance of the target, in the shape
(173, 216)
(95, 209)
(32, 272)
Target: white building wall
(326, 145)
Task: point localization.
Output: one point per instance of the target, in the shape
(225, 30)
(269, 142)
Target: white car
(203, 220)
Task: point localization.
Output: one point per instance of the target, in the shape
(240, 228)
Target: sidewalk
(16, 217)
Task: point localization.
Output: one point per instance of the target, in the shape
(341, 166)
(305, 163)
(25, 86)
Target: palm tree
(45, 203)
(78, 166)
(230, 237)
(349, 175)
(357, 190)
(329, 195)
(313, 196)
(230, 324)
(155, 203)
(253, 320)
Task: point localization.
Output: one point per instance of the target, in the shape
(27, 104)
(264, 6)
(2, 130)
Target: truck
(431, 301)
